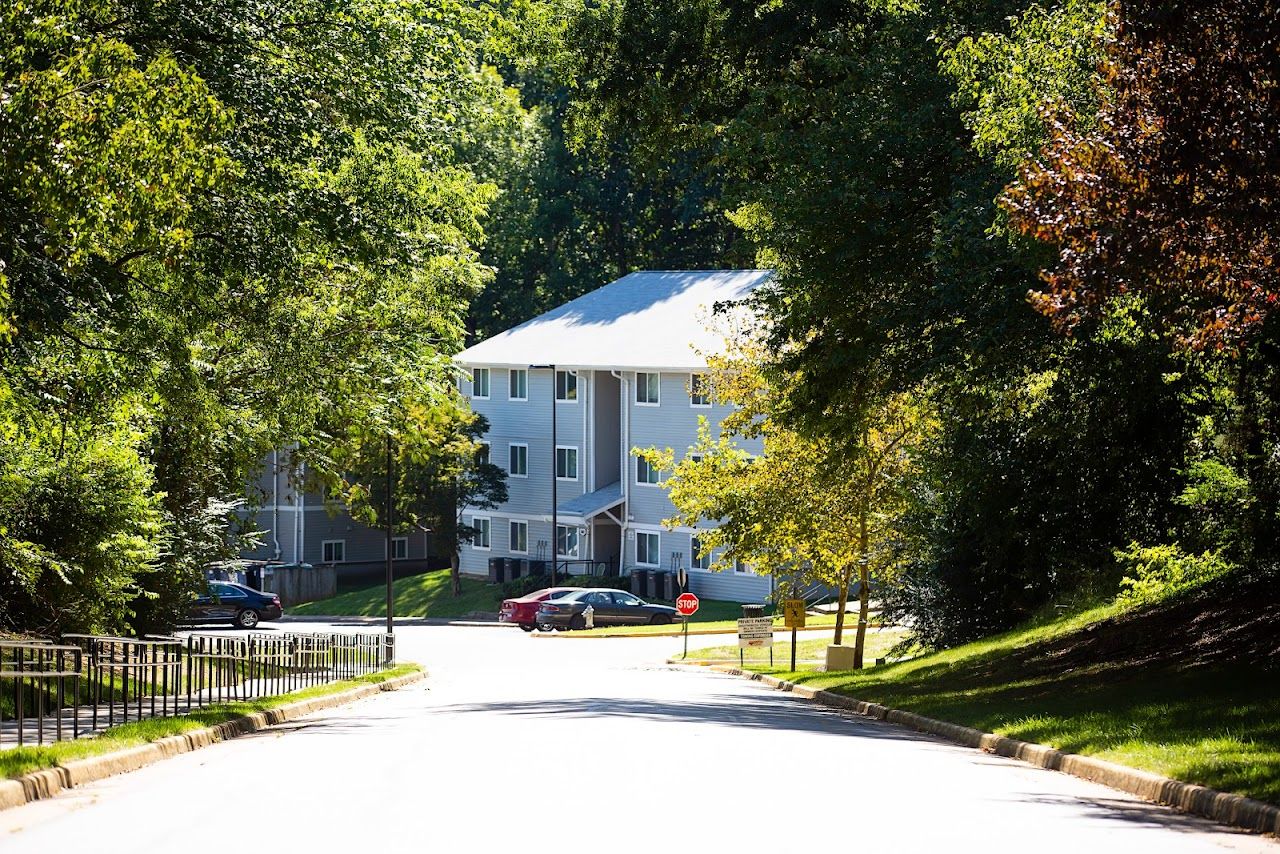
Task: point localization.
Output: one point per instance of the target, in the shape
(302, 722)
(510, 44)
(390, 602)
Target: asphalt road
(516, 743)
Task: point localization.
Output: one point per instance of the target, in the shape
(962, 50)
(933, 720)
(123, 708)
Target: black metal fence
(54, 691)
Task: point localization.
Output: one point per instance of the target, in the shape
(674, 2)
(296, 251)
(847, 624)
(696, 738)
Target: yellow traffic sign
(793, 613)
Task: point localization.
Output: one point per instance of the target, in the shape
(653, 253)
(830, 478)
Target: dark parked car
(609, 607)
(523, 610)
(242, 607)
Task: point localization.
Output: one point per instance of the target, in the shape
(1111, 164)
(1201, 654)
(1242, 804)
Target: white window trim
(740, 568)
(555, 386)
(488, 450)
(693, 405)
(640, 534)
(577, 460)
(489, 519)
(394, 542)
(694, 557)
(657, 374)
(510, 456)
(640, 482)
(577, 542)
(488, 383)
(511, 373)
(342, 543)
(511, 540)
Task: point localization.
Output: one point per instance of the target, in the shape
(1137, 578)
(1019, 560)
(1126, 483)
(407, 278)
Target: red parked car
(524, 610)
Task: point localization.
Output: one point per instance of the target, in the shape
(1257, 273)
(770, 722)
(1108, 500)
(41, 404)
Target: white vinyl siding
(518, 384)
(480, 383)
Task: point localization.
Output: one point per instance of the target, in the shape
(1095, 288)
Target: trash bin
(655, 584)
(640, 582)
(669, 585)
(518, 567)
(495, 570)
(538, 568)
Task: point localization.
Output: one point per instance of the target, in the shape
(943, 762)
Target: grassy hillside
(1189, 688)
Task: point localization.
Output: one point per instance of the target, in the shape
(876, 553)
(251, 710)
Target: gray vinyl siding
(529, 422)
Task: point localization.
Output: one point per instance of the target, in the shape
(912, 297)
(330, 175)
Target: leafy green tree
(808, 507)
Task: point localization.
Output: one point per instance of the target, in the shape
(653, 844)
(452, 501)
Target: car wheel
(546, 627)
(577, 622)
(247, 619)
(527, 627)
(660, 620)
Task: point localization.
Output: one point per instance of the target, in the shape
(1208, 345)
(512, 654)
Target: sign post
(793, 618)
(686, 606)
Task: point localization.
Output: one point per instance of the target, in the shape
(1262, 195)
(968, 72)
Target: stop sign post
(686, 606)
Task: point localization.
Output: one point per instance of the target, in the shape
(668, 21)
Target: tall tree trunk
(842, 604)
(864, 584)
(455, 573)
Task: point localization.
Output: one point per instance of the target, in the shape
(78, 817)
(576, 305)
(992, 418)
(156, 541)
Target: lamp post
(390, 551)
(555, 544)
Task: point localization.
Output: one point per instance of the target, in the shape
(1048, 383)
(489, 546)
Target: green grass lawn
(1088, 684)
(426, 595)
(23, 760)
(879, 642)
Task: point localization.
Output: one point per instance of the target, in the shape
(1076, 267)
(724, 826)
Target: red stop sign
(686, 604)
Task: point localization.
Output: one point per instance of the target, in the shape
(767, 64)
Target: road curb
(49, 782)
(675, 633)
(1222, 807)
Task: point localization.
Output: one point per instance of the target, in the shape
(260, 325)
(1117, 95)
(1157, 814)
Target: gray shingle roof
(650, 319)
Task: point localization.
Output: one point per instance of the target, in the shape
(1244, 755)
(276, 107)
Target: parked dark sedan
(609, 608)
(242, 607)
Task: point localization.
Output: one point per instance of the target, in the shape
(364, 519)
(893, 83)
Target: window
(482, 454)
(480, 383)
(567, 386)
(520, 537)
(566, 463)
(739, 566)
(646, 472)
(518, 385)
(647, 548)
(625, 599)
(699, 394)
(701, 556)
(226, 591)
(566, 540)
(480, 539)
(518, 460)
(647, 388)
(333, 551)
(695, 458)
(399, 548)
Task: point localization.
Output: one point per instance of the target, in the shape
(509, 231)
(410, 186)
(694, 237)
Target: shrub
(1154, 573)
